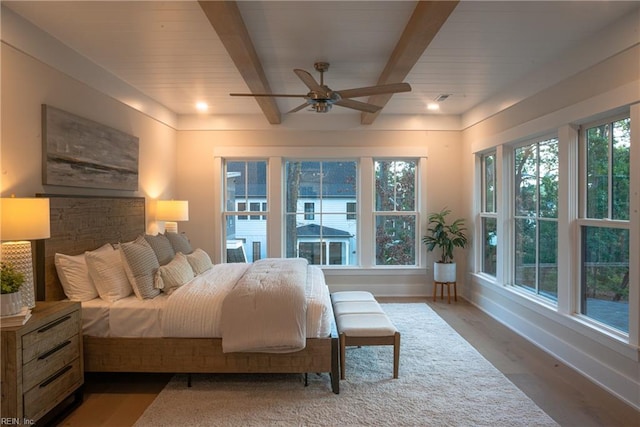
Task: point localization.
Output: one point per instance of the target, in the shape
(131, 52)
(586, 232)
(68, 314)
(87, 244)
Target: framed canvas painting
(79, 152)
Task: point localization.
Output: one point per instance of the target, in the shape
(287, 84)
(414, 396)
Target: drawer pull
(55, 376)
(55, 349)
(54, 324)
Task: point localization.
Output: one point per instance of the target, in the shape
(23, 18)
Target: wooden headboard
(83, 223)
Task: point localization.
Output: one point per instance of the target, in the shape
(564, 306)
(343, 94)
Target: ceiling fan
(321, 98)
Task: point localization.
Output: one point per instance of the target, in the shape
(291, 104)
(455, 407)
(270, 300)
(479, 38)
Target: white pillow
(74, 277)
(199, 261)
(174, 274)
(107, 272)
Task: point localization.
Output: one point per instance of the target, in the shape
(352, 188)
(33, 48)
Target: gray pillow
(140, 264)
(179, 242)
(162, 247)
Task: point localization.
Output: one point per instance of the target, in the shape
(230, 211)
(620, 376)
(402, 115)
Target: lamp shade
(24, 219)
(172, 210)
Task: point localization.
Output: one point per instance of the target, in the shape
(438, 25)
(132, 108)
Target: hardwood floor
(570, 399)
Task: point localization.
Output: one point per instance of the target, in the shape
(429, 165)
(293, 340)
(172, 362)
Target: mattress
(132, 317)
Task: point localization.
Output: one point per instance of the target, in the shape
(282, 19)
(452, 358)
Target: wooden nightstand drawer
(38, 369)
(53, 390)
(46, 337)
(41, 361)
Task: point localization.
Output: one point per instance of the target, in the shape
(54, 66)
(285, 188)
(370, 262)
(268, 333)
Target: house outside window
(245, 187)
(395, 212)
(536, 217)
(604, 222)
(316, 197)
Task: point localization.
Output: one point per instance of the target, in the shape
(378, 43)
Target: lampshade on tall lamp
(23, 220)
(172, 211)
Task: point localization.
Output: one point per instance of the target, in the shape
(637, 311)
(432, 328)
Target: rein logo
(16, 421)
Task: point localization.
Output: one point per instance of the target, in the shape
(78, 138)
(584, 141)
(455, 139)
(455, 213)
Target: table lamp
(23, 220)
(172, 211)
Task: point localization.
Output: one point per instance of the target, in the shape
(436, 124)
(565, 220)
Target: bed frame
(82, 223)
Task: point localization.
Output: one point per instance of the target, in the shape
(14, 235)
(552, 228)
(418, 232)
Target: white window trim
(276, 156)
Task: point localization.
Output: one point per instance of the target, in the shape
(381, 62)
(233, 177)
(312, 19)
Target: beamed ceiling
(182, 52)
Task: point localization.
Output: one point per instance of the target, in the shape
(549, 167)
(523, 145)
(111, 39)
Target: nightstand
(42, 361)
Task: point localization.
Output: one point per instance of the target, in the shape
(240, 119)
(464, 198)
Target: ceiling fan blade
(280, 95)
(298, 108)
(375, 90)
(310, 82)
(357, 105)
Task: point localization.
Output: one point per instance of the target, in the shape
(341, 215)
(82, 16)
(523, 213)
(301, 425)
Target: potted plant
(444, 236)
(10, 296)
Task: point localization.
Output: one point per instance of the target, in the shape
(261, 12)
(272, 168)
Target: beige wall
(26, 85)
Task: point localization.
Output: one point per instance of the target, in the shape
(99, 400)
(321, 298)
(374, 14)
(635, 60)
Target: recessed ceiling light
(202, 106)
(433, 106)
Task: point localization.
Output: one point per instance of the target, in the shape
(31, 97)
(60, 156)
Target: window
(605, 223)
(536, 217)
(317, 194)
(351, 209)
(488, 214)
(245, 187)
(309, 209)
(395, 212)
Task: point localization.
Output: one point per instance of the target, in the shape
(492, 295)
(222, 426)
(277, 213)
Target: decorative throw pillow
(74, 276)
(140, 264)
(106, 271)
(179, 242)
(161, 246)
(199, 261)
(173, 275)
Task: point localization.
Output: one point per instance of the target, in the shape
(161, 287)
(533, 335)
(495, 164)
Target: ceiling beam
(425, 22)
(227, 21)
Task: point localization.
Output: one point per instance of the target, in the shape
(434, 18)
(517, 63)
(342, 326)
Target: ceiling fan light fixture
(322, 106)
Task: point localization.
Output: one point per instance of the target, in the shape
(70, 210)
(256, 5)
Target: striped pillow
(140, 264)
(161, 246)
(199, 261)
(173, 275)
(179, 242)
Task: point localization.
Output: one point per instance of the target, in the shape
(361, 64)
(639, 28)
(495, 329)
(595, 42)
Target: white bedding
(132, 317)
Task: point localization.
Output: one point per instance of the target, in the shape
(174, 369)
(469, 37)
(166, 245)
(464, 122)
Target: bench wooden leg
(396, 354)
(343, 352)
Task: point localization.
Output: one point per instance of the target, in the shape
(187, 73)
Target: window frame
(583, 222)
(276, 156)
(513, 217)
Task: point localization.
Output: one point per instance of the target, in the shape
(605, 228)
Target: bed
(83, 223)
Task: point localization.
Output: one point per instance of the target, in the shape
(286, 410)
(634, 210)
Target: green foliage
(10, 279)
(444, 236)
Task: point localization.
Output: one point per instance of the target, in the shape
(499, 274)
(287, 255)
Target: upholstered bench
(361, 322)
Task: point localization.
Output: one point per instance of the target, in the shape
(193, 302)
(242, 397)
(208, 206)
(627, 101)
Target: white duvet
(266, 310)
(196, 312)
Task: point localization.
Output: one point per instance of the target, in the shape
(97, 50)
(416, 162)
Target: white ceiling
(169, 51)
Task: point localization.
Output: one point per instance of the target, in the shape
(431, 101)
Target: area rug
(443, 381)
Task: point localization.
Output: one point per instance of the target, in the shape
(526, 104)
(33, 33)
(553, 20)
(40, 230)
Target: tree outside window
(395, 212)
(535, 219)
(488, 214)
(605, 226)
